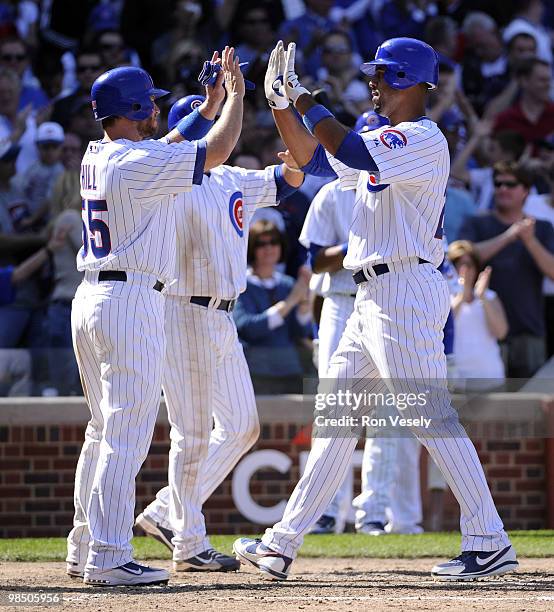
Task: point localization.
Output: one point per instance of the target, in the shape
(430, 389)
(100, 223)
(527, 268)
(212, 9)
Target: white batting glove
(293, 88)
(274, 76)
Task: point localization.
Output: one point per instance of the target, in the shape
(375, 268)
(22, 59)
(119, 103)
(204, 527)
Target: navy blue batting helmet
(407, 62)
(124, 92)
(182, 108)
(370, 120)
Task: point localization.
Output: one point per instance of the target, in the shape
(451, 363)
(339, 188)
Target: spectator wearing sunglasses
(14, 55)
(520, 250)
(273, 314)
(88, 68)
(113, 50)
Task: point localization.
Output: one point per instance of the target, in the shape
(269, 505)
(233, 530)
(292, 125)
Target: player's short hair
(511, 141)
(264, 228)
(460, 248)
(516, 169)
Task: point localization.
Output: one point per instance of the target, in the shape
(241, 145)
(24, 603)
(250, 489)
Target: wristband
(345, 247)
(194, 126)
(314, 115)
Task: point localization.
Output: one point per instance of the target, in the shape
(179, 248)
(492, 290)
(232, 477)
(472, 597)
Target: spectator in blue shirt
(13, 55)
(272, 314)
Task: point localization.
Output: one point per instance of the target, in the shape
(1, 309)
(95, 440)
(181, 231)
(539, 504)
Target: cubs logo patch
(195, 104)
(393, 139)
(236, 212)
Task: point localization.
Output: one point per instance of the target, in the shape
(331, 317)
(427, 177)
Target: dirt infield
(317, 584)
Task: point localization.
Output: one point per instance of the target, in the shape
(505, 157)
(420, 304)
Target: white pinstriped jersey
(327, 224)
(399, 210)
(128, 190)
(212, 230)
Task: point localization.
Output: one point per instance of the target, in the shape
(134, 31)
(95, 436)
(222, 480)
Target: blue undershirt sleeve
(354, 154)
(319, 164)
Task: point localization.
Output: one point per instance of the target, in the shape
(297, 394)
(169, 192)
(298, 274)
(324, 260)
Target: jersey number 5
(95, 232)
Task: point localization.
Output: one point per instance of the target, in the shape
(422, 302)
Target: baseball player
(128, 256)
(394, 336)
(206, 375)
(390, 468)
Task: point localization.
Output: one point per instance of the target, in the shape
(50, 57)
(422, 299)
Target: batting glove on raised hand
(274, 76)
(293, 88)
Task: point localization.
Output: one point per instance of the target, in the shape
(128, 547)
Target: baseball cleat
(210, 560)
(271, 564)
(155, 530)
(74, 570)
(374, 528)
(130, 574)
(325, 524)
(474, 565)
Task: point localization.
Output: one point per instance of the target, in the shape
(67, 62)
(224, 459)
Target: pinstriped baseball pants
(213, 415)
(119, 344)
(395, 334)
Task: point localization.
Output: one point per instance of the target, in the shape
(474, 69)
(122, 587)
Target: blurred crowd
(494, 104)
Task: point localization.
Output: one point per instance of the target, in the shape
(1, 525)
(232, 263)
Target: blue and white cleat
(130, 574)
(271, 564)
(475, 565)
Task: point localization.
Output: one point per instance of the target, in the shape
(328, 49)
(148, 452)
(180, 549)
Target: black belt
(118, 275)
(360, 276)
(226, 305)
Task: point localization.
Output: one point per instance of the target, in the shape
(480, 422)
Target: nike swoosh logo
(137, 572)
(486, 561)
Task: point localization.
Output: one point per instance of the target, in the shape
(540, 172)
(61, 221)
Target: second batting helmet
(124, 92)
(407, 62)
(182, 108)
(370, 120)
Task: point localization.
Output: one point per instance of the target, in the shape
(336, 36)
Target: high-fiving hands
(281, 81)
(274, 79)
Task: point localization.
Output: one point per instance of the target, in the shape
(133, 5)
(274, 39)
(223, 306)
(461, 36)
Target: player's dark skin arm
(297, 138)
(329, 132)
(329, 259)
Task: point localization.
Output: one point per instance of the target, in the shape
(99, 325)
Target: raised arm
(223, 137)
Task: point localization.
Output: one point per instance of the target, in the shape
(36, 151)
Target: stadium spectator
(272, 314)
(442, 34)
(520, 46)
(21, 319)
(406, 18)
(308, 31)
(62, 367)
(541, 206)
(89, 68)
(36, 183)
(14, 55)
(17, 126)
(533, 114)
(66, 190)
(501, 146)
(485, 66)
(113, 51)
(529, 18)
(341, 78)
(183, 66)
(520, 251)
(479, 320)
